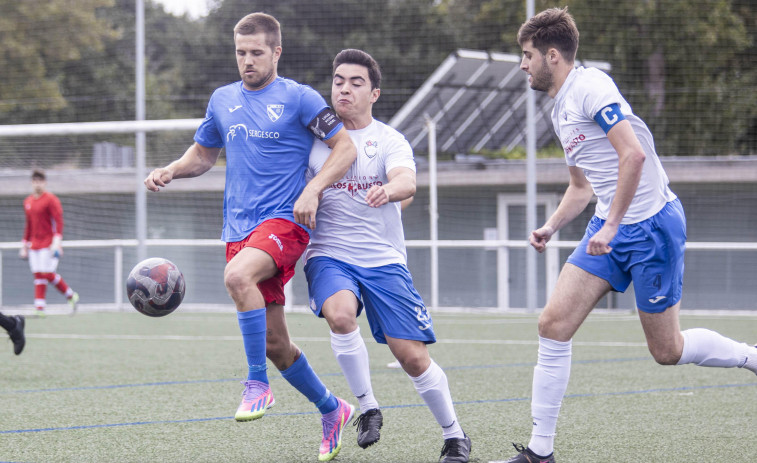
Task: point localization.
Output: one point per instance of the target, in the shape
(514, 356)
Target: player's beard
(257, 84)
(542, 81)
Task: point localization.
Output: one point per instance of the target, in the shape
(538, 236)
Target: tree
(688, 71)
(686, 68)
(408, 38)
(39, 39)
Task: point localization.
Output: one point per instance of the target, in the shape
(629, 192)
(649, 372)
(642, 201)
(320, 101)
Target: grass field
(101, 387)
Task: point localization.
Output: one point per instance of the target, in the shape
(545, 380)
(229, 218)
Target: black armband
(324, 123)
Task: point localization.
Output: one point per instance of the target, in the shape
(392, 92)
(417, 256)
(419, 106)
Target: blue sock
(252, 325)
(304, 379)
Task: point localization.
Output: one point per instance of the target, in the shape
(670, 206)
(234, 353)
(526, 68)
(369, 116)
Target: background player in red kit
(42, 242)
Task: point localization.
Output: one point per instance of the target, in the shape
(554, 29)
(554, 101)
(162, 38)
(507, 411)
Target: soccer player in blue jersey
(638, 232)
(357, 260)
(267, 125)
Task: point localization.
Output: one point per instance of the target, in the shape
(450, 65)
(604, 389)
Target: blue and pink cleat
(256, 399)
(333, 427)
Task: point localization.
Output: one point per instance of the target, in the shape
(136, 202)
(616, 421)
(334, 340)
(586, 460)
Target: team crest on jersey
(275, 111)
(370, 148)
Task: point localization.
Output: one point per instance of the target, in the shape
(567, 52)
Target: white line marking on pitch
(139, 337)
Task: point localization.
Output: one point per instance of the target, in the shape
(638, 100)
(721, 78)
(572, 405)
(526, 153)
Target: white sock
(434, 390)
(551, 376)
(751, 360)
(352, 356)
(707, 348)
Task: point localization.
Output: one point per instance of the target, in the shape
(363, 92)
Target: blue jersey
(267, 134)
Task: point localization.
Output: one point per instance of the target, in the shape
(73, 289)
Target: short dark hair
(552, 28)
(361, 58)
(260, 22)
(38, 175)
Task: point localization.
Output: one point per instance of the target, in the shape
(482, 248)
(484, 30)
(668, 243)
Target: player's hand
(599, 244)
(23, 253)
(305, 208)
(377, 196)
(57, 251)
(56, 247)
(158, 178)
(540, 237)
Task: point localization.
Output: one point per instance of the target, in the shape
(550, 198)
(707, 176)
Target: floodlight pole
(530, 184)
(433, 212)
(141, 193)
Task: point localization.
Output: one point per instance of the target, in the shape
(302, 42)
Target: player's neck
(559, 76)
(358, 122)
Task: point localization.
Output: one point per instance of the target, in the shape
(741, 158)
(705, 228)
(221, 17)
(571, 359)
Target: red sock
(60, 283)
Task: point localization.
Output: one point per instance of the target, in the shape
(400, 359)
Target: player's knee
(414, 362)
(236, 281)
(665, 356)
(548, 326)
(342, 321)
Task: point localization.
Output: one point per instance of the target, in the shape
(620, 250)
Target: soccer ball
(155, 287)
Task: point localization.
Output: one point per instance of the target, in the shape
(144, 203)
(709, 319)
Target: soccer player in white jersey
(638, 232)
(266, 124)
(356, 258)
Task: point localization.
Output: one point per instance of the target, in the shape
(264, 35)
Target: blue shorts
(393, 306)
(649, 253)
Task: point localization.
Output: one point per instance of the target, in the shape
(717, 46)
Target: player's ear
(375, 93)
(554, 55)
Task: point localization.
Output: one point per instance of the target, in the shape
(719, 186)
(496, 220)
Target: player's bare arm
(630, 164)
(195, 161)
(401, 186)
(343, 154)
(574, 201)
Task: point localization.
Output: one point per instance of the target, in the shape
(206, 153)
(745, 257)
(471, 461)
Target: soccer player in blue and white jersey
(356, 258)
(267, 125)
(638, 232)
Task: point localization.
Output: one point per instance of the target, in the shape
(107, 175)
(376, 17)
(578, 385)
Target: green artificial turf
(101, 387)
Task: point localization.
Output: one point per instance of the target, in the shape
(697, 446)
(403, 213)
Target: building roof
(477, 100)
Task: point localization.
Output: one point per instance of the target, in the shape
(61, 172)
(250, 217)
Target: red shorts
(283, 240)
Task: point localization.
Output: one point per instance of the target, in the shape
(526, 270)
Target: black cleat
(369, 427)
(17, 335)
(525, 455)
(456, 450)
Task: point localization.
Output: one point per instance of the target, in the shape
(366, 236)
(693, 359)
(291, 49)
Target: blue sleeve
(207, 133)
(609, 116)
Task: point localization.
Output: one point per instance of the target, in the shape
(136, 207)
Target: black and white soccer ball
(155, 287)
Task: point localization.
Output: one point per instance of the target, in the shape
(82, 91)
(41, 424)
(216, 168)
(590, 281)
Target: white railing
(119, 245)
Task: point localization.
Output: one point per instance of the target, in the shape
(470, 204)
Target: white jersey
(585, 92)
(347, 229)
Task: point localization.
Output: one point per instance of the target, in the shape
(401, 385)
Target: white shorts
(42, 261)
